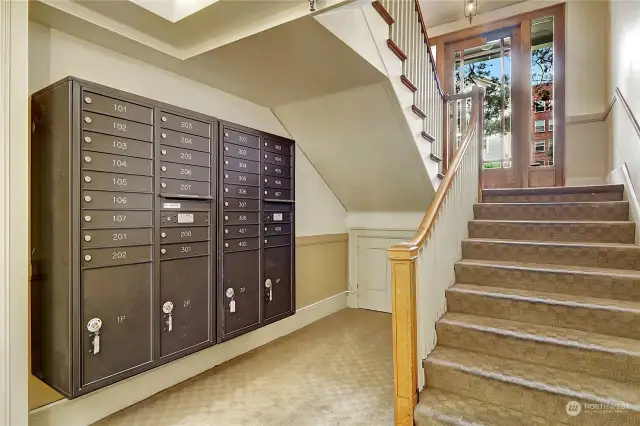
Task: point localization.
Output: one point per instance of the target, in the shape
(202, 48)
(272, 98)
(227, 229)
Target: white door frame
(14, 212)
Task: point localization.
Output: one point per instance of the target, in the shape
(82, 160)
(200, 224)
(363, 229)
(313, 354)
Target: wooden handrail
(426, 40)
(428, 220)
(404, 278)
(627, 109)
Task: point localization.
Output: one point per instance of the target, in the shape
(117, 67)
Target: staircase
(545, 310)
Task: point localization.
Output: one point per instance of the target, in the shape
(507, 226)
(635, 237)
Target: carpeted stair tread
(573, 269)
(565, 210)
(542, 378)
(546, 333)
(439, 407)
(563, 190)
(549, 298)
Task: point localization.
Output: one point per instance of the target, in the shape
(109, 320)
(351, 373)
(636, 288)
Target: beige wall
(54, 55)
(624, 72)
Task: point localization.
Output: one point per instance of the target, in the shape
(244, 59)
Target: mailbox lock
(87, 218)
(163, 251)
(164, 119)
(87, 159)
(87, 139)
(87, 257)
(163, 234)
(87, 179)
(226, 148)
(87, 238)
(87, 198)
(226, 231)
(163, 152)
(226, 135)
(226, 176)
(164, 135)
(268, 285)
(87, 119)
(87, 100)
(226, 190)
(226, 162)
(163, 168)
(164, 185)
(226, 218)
(226, 244)
(226, 204)
(230, 293)
(167, 308)
(94, 326)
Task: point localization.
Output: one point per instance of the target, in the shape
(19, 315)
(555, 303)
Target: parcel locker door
(240, 298)
(277, 282)
(185, 306)
(116, 304)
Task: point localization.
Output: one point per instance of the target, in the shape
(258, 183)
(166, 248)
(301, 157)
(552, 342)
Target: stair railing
(422, 268)
(409, 41)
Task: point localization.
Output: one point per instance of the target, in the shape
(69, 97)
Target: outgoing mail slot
(116, 126)
(182, 218)
(93, 238)
(241, 191)
(184, 187)
(277, 147)
(116, 200)
(276, 170)
(116, 182)
(277, 217)
(240, 204)
(241, 244)
(277, 182)
(177, 251)
(116, 164)
(277, 229)
(274, 158)
(183, 124)
(184, 234)
(184, 140)
(277, 194)
(239, 151)
(184, 156)
(241, 218)
(279, 240)
(239, 165)
(184, 171)
(240, 138)
(121, 298)
(116, 145)
(241, 178)
(96, 219)
(116, 108)
(242, 231)
(95, 258)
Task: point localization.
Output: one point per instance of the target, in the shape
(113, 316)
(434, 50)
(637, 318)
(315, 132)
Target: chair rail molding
(14, 212)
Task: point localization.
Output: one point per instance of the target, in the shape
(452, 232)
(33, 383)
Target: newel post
(405, 332)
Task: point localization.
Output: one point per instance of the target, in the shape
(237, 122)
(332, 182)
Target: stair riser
(602, 286)
(620, 367)
(617, 323)
(601, 257)
(617, 211)
(517, 397)
(581, 232)
(553, 198)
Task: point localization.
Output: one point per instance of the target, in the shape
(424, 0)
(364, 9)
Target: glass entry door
(487, 62)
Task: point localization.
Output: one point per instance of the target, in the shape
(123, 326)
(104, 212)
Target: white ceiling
(438, 12)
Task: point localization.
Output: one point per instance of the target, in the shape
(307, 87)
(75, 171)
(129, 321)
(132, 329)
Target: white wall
(624, 72)
(54, 55)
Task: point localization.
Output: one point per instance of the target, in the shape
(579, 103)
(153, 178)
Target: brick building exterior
(542, 125)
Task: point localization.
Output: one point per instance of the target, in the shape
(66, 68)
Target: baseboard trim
(622, 176)
(100, 404)
(312, 240)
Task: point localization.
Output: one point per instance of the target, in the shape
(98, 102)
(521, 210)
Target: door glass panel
(542, 87)
(487, 66)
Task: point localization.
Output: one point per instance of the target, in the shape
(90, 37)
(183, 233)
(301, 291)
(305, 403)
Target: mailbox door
(121, 298)
(240, 273)
(277, 282)
(185, 284)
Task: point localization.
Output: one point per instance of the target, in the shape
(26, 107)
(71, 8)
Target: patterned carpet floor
(336, 371)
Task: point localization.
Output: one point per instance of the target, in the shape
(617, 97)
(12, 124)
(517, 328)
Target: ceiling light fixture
(470, 9)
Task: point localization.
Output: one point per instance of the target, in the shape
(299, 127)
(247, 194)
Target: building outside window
(551, 124)
(540, 146)
(539, 126)
(539, 106)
